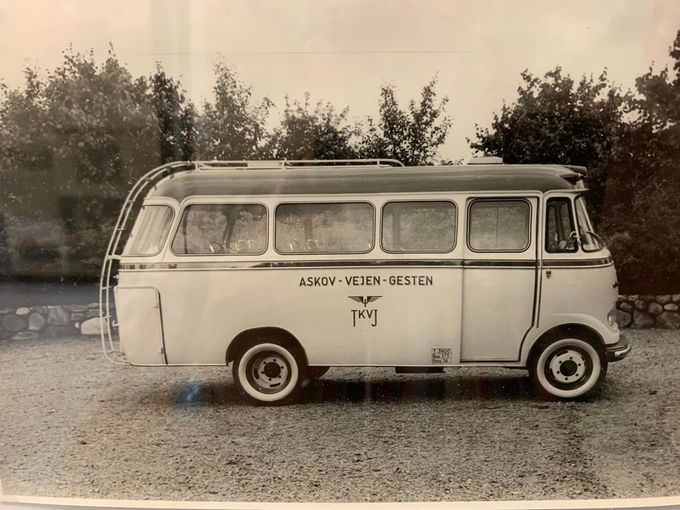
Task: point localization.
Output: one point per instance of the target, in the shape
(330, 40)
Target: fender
(607, 334)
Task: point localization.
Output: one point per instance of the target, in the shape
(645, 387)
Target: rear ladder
(108, 324)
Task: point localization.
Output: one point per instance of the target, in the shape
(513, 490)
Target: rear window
(324, 228)
(150, 231)
(499, 225)
(222, 229)
(422, 227)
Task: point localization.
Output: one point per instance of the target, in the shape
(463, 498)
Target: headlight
(611, 316)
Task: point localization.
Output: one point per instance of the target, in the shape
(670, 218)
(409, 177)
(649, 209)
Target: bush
(644, 238)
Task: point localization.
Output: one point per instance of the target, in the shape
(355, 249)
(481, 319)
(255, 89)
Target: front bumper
(619, 350)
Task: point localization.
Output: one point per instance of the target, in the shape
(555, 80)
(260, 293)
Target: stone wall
(26, 322)
(649, 311)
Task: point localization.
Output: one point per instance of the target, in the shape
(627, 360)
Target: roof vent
(486, 160)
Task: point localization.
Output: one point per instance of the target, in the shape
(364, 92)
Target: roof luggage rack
(285, 164)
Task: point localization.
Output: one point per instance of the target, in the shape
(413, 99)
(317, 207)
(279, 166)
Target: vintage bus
(284, 269)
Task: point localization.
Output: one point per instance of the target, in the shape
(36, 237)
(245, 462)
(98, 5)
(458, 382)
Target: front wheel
(567, 368)
(269, 373)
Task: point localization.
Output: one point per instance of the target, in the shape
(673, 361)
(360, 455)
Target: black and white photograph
(258, 253)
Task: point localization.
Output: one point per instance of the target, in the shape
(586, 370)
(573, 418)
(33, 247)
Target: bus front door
(499, 277)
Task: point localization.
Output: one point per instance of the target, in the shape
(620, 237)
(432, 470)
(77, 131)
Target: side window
(324, 228)
(499, 225)
(150, 231)
(423, 227)
(222, 229)
(559, 227)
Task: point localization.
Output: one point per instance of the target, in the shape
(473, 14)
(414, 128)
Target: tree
(22, 113)
(642, 203)
(306, 133)
(413, 136)
(232, 127)
(72, 144)
(556, 120)
(102, 122)
(176, 117)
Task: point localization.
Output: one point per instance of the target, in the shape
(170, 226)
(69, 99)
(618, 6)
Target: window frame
(163, 241)
(468, 220)
(574, 223)
(335, 202)
(187, 205)
(416, 252)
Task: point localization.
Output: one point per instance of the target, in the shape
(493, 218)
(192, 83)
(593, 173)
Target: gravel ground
(74, 425)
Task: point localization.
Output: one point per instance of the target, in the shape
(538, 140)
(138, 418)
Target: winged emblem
(364, 300)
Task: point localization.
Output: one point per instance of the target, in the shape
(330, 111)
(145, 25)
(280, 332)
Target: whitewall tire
(567, 368)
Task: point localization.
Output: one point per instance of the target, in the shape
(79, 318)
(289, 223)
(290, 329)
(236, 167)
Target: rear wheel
(269, 373)
(567, 368)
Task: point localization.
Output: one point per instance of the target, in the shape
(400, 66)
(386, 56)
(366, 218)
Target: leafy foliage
(82, 134)
(232, 127)
(306, 133)
(642, 203)
(413, 136)
(22, 115)
(176, 118)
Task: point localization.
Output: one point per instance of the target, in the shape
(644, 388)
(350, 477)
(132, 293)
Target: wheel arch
(576, 330)
(249, 337)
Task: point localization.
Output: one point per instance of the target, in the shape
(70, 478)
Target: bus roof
(357, 180)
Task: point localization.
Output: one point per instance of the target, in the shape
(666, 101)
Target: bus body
(287, 271)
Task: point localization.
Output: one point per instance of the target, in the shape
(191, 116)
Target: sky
(342, 51)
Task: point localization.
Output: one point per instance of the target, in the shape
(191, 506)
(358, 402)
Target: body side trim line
(491, 263)
(577, 262)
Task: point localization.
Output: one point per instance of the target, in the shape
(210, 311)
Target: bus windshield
(589, 240)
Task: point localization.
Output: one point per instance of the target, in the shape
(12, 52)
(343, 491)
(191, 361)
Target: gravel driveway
(74, 425)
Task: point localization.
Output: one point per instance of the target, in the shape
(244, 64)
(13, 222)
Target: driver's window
(222, 229)
(560, 236)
